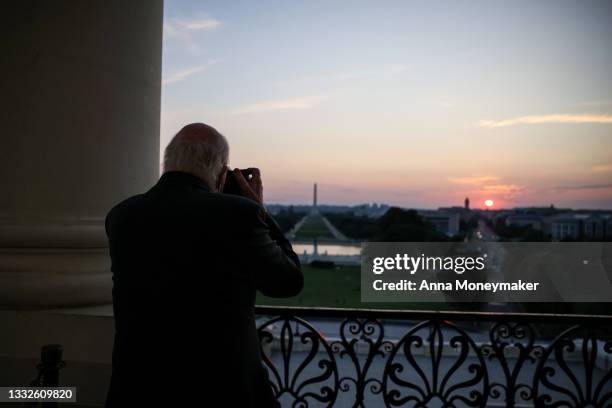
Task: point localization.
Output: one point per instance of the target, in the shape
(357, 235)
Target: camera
(231, 185)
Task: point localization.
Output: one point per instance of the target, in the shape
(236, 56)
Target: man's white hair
(200, 150)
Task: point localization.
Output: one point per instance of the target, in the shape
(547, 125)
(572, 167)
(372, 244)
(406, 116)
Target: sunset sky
(411, 103)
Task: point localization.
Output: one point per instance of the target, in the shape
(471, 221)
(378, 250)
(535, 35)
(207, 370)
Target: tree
(287, 218)
(353, 226)
(399, 225)
(520, 233)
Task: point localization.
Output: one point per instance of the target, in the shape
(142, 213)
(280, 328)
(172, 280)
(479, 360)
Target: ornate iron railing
(376, 358)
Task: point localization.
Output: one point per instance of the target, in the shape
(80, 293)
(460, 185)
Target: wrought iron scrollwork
(508, 338)
(370, 334)
(581, 390)
(313, 376)
(424, 380)
(434, 362)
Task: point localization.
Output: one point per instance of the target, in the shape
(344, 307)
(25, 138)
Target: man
(186, 262)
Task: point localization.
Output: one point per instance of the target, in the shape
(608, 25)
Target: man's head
(200, 150)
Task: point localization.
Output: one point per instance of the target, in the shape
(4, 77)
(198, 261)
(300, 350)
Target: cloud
(184, 29)
(472, 181)
(174, 26)
(299, 103)
(184, 74)
(490, 186)
(507, 190)
(597, 103)
(586, 187)
(602, 168)
(554, 118)
(206, 23)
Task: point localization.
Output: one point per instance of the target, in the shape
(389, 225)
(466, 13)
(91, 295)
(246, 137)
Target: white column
(80, 100)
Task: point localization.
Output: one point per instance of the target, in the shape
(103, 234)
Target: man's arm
(276, 269)
(277, 235)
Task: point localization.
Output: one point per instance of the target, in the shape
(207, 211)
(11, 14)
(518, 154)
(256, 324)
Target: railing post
(51, 358)
(48, 369)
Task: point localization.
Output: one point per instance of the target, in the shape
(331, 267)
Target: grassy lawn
(339, 287)
(313, 227)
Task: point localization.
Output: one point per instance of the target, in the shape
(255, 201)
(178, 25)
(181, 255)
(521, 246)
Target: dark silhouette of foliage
(353, 226)
(287, 218)
(519, 233)
(399, 225)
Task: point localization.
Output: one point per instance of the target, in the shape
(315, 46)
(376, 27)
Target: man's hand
(252, 188)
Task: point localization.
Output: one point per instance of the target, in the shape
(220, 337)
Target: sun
(489, 203)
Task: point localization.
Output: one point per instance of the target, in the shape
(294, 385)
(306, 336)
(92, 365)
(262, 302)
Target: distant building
(541, 211)
(463, 213)
(607, 223)
(466, 204)
(593, 226)
(606, 219)
(563, 227)
(577, 226)
(525, 220)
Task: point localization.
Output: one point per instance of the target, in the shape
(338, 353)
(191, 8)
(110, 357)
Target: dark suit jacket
(186, 264)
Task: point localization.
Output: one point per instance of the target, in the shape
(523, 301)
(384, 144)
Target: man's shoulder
(125, 204)
(236, 201)
(121, 210)
(233, 205)
(203, 206)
